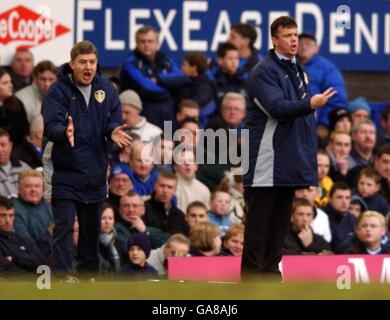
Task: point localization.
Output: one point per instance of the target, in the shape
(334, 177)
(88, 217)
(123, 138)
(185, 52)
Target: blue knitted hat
(359, 103)
(118, 169)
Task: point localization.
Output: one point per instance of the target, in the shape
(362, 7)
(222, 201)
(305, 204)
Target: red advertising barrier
(333, 268)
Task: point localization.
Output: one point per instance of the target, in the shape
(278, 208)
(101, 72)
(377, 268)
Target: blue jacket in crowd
(137, 73)
(80, 173)
(224, 83)
(324, 74)
(282, 128)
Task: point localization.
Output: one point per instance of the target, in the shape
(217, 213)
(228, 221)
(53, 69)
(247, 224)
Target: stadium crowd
(162, 201)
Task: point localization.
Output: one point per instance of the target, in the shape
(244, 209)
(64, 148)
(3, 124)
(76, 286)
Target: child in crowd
(367, 187)
(233, 241)
(205, 240)
(357, 206)
(219, 210)
(139, 250)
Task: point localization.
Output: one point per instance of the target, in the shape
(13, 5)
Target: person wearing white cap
(131, 106)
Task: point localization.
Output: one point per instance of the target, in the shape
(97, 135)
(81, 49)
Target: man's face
(233, 112)
(230, 62)
(196, 215)
(22, 63)
(359, 115)
(7, 217)
(309, 194)
(188, 69)
(130, 115)
(44, 80)
(235, 244)
(307, 49)
(341, 145)
(147, 44)
(286, 42)
(364, 138)
(84, 68)
(323, 164)
(166, 151)
(344, 124)
(6, 87)
(131, 208)
(5, 150)
(164, 190)
(370, 231)
(190, 134)
(302, 217)
(31, 189)
(340, 200)
(238, 40)
(187, 165)
(141, 161)
(187, 112)
(382, 165)
(120, 184)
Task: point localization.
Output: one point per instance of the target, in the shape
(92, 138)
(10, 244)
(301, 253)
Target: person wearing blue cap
(359, 110)
(139, 247)
(119, 184)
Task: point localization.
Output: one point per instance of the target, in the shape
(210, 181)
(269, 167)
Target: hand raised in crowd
(306, 236)
(137, 223)
(70, 131)
(121, 138)
(320, 99)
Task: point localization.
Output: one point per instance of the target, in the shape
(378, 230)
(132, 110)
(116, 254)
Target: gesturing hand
(70, 131)
(320, 99)
(121, 138)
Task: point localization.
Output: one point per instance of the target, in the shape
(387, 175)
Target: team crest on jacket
(306, 78)
(100, 95)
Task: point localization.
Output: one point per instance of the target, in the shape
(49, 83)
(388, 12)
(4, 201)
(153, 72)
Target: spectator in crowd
(382, 166)
(132, 220)
(364, 139)
(18, 255)
(301, 239)
(143, 174)
(33, 214)
(176, 246)
(12, 114)
(320, 223)
(140, 73)
(232, 113)
(190, 134)
(219, 210)
(367, 187)
(341, 221)
(138, 251)
(369, 232)
(384, 133)
(339, 120)
(189, 188)
(233, 184)
(30, 150)
(227, 78)
(243, 36)
(205, 240)
(10, 167)
(187, 108)
(119, 184)
(44, 74)
(80, 132)
(196, 212)
(357, 206)
(22, 67)
(325, 182)
(359, 110)
(131, 106)
(323, 74)
(233, 241)
(161, 211)
(109, 252)
(163, 155)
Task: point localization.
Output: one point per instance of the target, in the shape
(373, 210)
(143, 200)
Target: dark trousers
(88, 216)
(266, 226)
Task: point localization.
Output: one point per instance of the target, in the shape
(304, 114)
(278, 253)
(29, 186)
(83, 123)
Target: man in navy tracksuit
(282, 154)
(82, 114)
